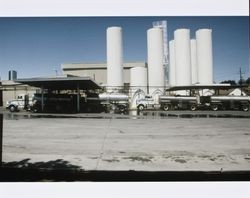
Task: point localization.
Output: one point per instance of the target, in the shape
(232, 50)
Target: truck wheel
(166, 107)
(215, 107)
(245, 108)
(193, 107)
(140, 107)
(12, 108)
(122, 109)
(34, 110)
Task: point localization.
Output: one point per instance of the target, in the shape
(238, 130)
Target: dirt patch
(140, 159)
(167, 156)
(93, 157)
(204, 156)
(221, 156)
(111, 160)
(182, 161)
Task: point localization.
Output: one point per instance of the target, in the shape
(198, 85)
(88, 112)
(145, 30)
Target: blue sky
(36, 46)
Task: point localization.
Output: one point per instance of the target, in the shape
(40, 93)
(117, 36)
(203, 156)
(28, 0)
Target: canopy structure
(214, 86)
(62, 83)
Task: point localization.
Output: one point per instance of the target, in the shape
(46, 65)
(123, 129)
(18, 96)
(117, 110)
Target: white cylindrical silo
(114, 58)
(138, 85)
(171, 63)
(204, 56)
(193, 61)
(156, 77)
(182, 57)
(138, 79)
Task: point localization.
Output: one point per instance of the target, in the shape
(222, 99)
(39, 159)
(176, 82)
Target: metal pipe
(242, 98)
(177, 98)
(113, 97)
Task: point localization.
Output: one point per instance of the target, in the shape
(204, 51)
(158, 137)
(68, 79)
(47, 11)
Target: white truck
(193, 103)
(220, 102)
(146, 103)
(23, 102)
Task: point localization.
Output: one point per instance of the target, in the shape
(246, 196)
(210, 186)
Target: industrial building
(182, 69)
(190, 62)
(98, 71)
(11, 90)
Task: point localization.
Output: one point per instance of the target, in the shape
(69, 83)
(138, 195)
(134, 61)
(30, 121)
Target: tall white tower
(156, 77)
(194, 61)
(163, 26)
(172, 75)
(182, 57)
(138, 84)
(114, 59)
(204, 56)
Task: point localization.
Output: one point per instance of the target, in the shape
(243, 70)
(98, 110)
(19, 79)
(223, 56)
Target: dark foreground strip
(28, 175)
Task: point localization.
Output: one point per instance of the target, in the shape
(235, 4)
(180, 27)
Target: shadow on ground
(61, 170)
(58, 164)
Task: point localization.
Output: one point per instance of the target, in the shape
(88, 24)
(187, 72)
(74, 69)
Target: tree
(231, 82)
(248, 81)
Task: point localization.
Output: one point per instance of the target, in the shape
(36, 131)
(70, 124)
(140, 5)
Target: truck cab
(21, 103)
(146, 103)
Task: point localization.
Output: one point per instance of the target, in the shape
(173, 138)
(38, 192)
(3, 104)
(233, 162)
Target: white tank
(204, 56)
(113, 97)
(193, 61)
(138, 79)
(114, 58)
(138, 84)
(171, 63)
(182, 57)
(156, 76)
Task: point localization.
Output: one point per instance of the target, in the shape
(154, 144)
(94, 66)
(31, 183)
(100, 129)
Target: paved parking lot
(116, 142)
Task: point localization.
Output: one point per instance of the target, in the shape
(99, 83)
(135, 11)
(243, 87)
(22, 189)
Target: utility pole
(241, 81)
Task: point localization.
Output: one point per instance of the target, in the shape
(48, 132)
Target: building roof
(61, 83)
(89, 66)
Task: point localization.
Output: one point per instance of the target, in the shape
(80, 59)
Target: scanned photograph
(125, 98)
